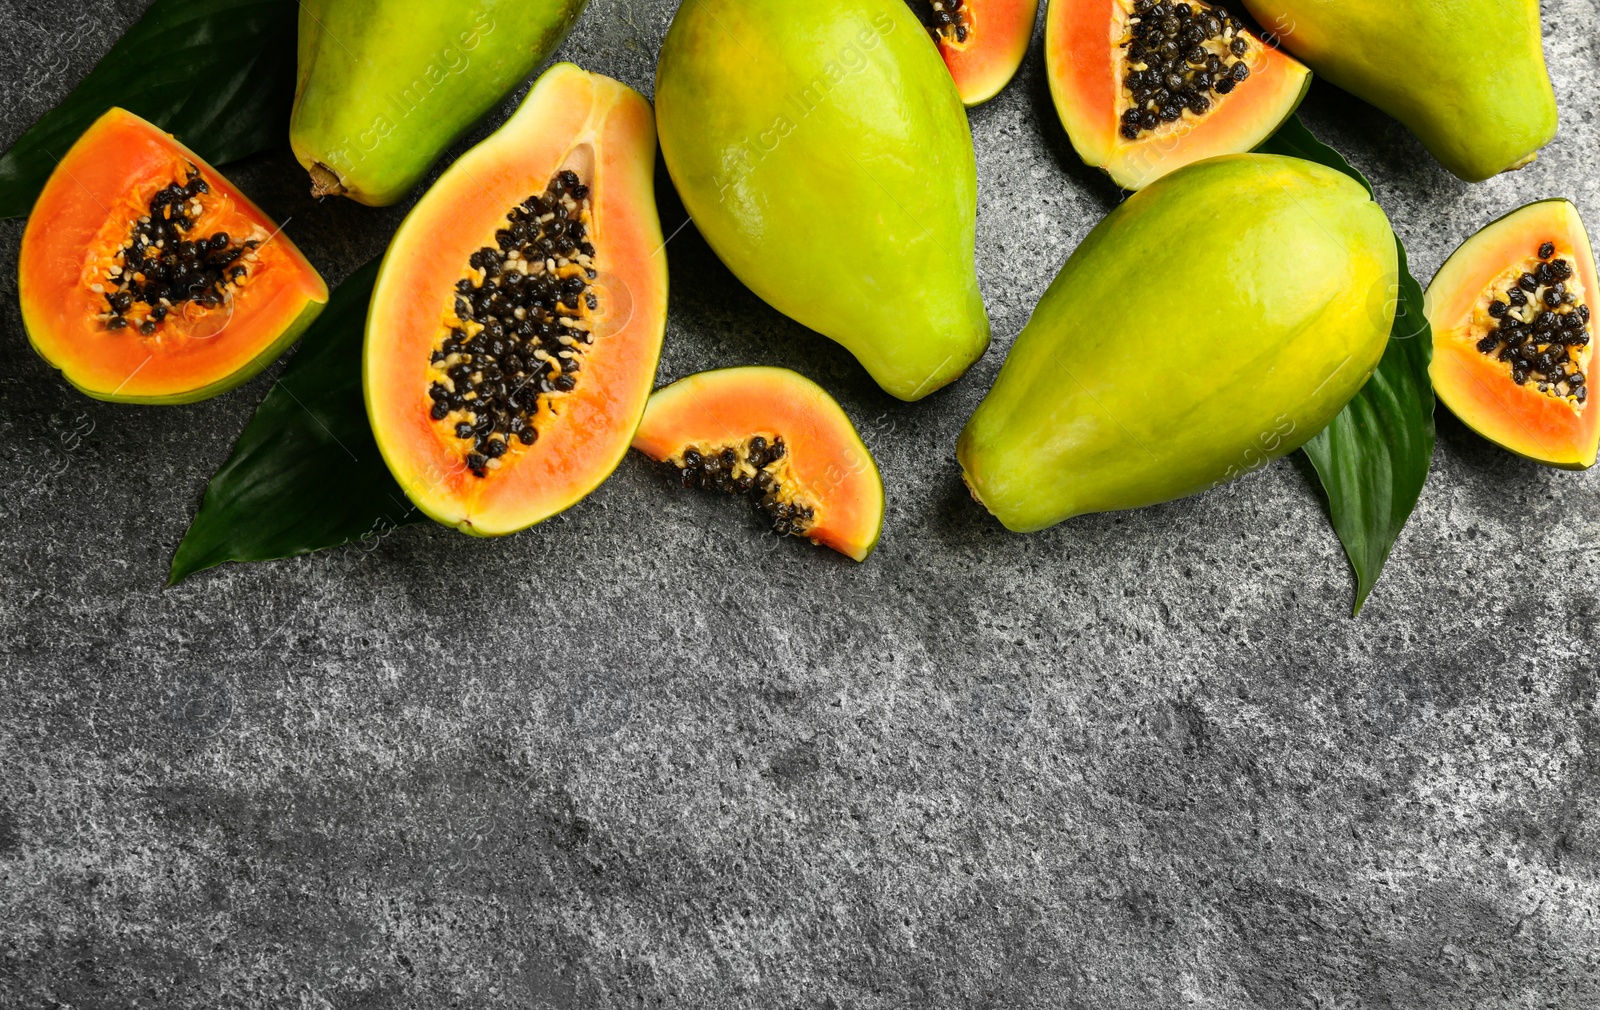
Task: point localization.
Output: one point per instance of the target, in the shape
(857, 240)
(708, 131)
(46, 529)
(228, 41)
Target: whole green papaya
(824, 153)
(1466, 76)
(1214, 321)
(385, 86)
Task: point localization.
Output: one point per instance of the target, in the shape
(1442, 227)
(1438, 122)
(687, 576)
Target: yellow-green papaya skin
(385, 86)
(1215, 321)
(824, 153)
(1466, 76)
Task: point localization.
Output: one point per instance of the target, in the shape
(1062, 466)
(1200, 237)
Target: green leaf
(1373, 459)
(306, 474)
(219, 74)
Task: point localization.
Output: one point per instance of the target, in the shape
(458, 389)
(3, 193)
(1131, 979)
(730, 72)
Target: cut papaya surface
(982, 41)
(146, 277)
(1145, 87)
(777, 437)
(1514, 331)
(517, 319)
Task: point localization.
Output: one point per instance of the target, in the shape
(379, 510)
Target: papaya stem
(325, 182)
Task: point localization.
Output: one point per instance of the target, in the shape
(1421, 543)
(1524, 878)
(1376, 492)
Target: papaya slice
(146, 277)
(517, 318)
(777, 437)
(982, 41)
(1145, 87)
(1514, 331)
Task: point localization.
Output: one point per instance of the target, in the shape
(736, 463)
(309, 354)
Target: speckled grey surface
(645, 756)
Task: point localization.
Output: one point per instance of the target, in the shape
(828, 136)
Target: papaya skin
(1425, 63)
(385, 86)
(290, 336)
(1148, 373)
(228, 383)
(843, 189)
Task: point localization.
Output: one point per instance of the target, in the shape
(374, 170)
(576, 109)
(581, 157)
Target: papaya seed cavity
(162, 267)
(757, 468)
(1178, 57)
(1537, 323)
(522, 320)
(946, 21)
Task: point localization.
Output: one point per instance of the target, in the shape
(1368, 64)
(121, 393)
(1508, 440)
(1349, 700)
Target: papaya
(843, 189)
(777, 438)
(1216, 320)
(1514, 334)
(384, 87)
(1466, 76)
(982, 41)
(517, 317)
(1145, 87)
(146, 277)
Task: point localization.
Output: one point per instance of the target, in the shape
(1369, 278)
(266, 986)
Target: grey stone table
(645, 756)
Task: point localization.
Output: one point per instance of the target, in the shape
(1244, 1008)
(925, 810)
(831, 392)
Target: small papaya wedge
(1514, 332)
(776, 438)
(385, 86)
(824, 153)
(1155, 368)
(982, 41)
(1466, 76)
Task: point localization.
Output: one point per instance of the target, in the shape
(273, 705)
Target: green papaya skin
(1466, 76)
(385, 86)
(824, 153)
(1216, 320)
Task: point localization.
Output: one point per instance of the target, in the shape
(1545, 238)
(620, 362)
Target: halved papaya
(517, 318)
(777, 437)
(1145, 87)
(146, 277)
(1514, 335)
(982, 41)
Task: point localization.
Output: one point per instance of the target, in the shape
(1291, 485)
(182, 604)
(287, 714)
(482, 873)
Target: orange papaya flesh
(1514, 329)
(517, 319)
(778, 438)
(982, 41)
(1112, 67)
(146, 277)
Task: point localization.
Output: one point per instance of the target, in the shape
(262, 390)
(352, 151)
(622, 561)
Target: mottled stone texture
(645, 756)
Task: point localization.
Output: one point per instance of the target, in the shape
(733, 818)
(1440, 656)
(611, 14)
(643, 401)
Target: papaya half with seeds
(778, 438)
(843, 189)
(517, 318)
(386, 86)
(1514, 329)
(146, 277)
(1467, 77)
(982, 41)
(1154, 368)
(1145, 87)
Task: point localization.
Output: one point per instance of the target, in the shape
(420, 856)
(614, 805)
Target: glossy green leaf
(306, 474)
(1373, 459)
(218, 74)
